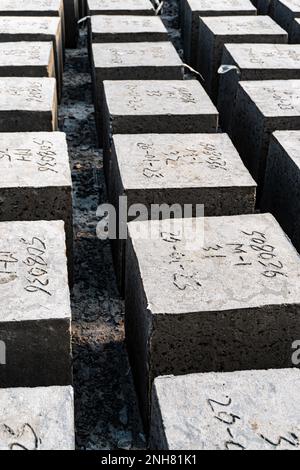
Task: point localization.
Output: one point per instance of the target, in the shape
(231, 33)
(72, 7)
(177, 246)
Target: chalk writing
(37, 266)
(24, 438)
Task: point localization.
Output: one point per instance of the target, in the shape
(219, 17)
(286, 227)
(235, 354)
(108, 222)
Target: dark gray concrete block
(27, 59)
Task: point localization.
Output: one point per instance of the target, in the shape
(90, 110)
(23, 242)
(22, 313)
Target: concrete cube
(16, 29)
(250, 410)
(35, 181)
(202, 8)
(120, 7)
(282, 182)
(263, 107)
(209, 294)
(71, 8)
(126, 28)
(27, 59)
(215, 32)
(284, 13)
(35, 314)
(131, 61)
(295, 38)
(156, 106)
(179, 169)
(254, 62)
(28, 104)
(39, 418)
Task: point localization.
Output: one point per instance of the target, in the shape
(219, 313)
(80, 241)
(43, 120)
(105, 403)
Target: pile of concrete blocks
(211, 303)
(36, 228)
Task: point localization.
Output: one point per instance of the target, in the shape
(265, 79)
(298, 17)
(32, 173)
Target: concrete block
(251, 410)
(281, 188)
(254, 62)
(244, 278)
(27, 59)
(203, 8)
(35, 181)
(121, 7)
(215, 32)
(262, 107)
(39, 418)
(264, 7)
(131, 61)
(295, 38)
(284, 13)
(71, 8)
(35, 314)
(156, 106)
(126, 28)
(184, 169)
(16, 29)
(28, 104)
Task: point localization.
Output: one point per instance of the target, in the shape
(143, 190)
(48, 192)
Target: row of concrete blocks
(159, 320)
(37, 404)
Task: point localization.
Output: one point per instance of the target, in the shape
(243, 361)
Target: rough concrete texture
(284, 12)
(282, 182)
(263, 107)
(215, 32)
(71, 8)
(37, 419)
(15, 29)
(27, 59)
(252, 410)
(28, 104)
(254, 62)
(126, 28)
(295, 38)
(155, 106)
(120, 7)
(35, 179)
(35, 316)
(131, 61)
(263, 6)
(243, 277)
(31, 7)
(199, 8)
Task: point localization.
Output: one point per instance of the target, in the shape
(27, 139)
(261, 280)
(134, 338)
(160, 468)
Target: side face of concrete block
(263, 6)
(254, 62)
(122, 28)
(243, 277)
(295, 36)
(203, 8)
(35, 181)
(28, 104)
(215, 32)
(281, 188)
(227, 411)
(120, 7)
(262, 107)
(35, 315)
(31, 7)
(71, 8)
(27, 59)
(284, 12)
(37, 419)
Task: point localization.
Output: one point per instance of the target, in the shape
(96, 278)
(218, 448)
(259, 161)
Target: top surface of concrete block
(30, 6)
(120, 5)
(254, 410)
(220, 5)
(27, 94)
(18, 26)
(127, 24)
(25, 53)
(34, 160)
(293, 5)
(245, 262)
(290, 142)
(242, 25)
(275, 98)
(157, 97)
(179, 161)
(265, 56)
(39, 418)
(135, 54)
(33, 271)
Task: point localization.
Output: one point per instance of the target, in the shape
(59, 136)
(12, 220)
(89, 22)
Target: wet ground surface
(106, 408)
